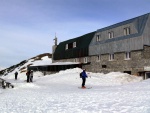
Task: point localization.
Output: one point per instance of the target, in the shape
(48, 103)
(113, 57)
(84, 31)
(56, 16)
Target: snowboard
(85, 88)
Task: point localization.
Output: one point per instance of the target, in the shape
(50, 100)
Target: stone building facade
(121, 47)
(124, 47)
(135, 64)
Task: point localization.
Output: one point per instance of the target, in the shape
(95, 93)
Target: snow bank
(110, 79)
(59, 93)
(114, 78)
(45, 61)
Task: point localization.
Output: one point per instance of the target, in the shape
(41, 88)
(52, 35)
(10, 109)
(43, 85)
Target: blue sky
(28, 27)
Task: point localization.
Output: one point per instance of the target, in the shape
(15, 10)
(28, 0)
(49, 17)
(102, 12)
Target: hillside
(22, 66)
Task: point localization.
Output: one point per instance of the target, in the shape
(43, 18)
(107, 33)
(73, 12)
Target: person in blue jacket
(84, 76)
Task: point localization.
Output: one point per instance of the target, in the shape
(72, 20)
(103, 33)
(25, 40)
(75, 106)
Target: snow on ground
(1, 68)
(59, 93)
(45, 61)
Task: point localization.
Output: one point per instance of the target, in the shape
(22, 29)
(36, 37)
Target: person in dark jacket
(28, 76)
(84, 76)
(16, 75)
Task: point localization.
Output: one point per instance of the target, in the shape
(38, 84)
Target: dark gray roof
(81, 49)
(141, 24)
(140, 19)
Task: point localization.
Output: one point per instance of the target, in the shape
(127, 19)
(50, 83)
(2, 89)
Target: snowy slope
(45, 60)
(42, 59)
(114, 92)
(58, 93)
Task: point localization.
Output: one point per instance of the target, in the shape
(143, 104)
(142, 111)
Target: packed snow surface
(59, 93)
(44, 61)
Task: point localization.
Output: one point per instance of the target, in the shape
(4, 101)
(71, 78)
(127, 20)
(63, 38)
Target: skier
(31, 76)
(16, 74)
(84, 76)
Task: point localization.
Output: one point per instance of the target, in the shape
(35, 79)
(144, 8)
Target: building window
(111, 34)
(74, 44)
(111, 57)
(98, 57)
(127, 31)
(104, 66)
(66, 46)
(85, 60)
(127, 55)
(97, 38)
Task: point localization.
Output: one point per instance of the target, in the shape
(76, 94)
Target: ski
(85, 88)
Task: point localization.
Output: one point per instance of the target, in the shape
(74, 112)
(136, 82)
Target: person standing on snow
(28, 76)
(16, 75)
(31, 76)
(84, 76)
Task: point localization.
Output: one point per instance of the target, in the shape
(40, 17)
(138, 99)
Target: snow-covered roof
(57, 63)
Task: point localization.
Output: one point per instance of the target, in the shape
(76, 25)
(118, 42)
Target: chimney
(54, 47)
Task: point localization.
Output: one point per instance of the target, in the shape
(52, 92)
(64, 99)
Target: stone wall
(135, 64)
(146, 52)
(118, 64)
(138, 60)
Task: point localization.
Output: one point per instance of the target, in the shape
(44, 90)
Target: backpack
(81, 75)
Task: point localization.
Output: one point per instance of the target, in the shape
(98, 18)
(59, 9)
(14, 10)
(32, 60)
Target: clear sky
(28, 27)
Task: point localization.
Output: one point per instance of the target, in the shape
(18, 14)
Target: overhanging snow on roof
(55, 67)
(59, 63)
